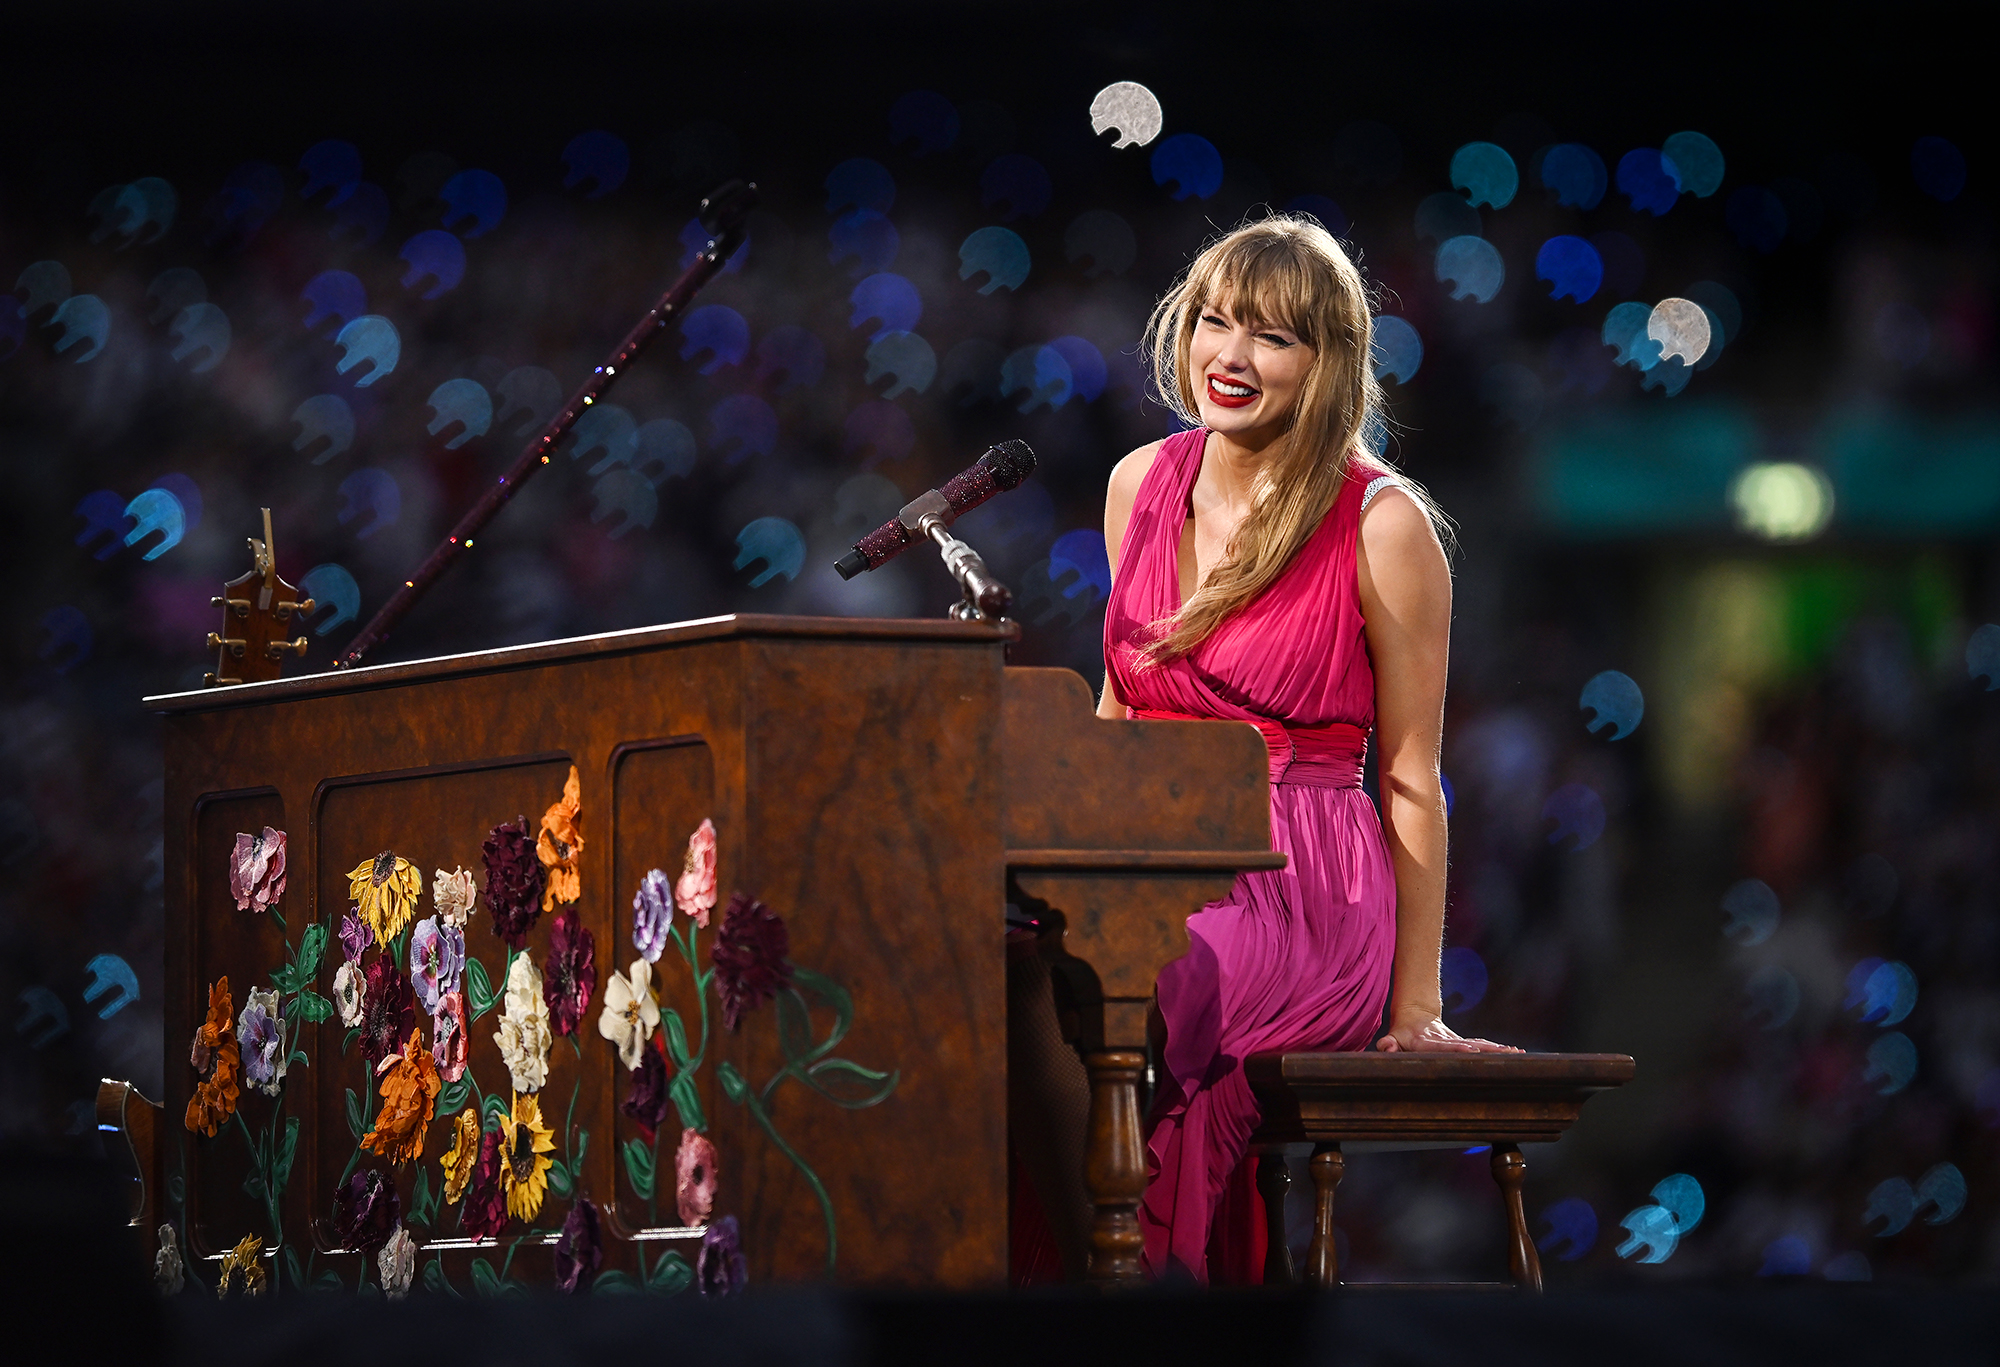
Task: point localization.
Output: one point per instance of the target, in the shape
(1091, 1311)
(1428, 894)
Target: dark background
(1812, 721)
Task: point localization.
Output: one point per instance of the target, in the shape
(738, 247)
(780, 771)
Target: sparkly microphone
(1003, 467)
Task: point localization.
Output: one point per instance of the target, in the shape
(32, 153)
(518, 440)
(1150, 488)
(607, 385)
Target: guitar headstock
(257, 611)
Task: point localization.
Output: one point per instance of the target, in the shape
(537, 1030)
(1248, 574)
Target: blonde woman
(1266, 569)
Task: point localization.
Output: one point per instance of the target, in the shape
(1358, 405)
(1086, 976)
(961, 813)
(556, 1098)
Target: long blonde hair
(1289, 271)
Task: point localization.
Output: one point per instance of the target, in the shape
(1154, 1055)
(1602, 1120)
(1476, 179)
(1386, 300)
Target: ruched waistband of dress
(1328, 756)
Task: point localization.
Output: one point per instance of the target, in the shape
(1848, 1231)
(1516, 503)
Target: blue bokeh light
(774, 541)
(1486, 174)
(1103, 238)
(860, 183)
(1615, 703)
(1576, 174)
(1472, 266)
(1462, 979)
(999, 253)
(868, 237)
(1650, 1233)
(1772, 997)
(1647, 179)
(1572, 1229)
(720, 332)
(1578, 813)
(1330, 215)
(1087, 370)
(1397, 352)
(477, 195)
(1625, 332)
(1191, 163)
(906, 360)
(1697, 163)
(925, 119)
(885, 303)
(1019, 182)
(1571, 266)
(1789, 1256)
(598, 157)
(1751, 911)
(1892, 1061)
(1444, 215)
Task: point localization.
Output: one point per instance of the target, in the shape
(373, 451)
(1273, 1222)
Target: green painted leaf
(313, 1007)
(485, 1280)
(615, 1283)
(286, 979)
(497, 1111)
(420, 1198)
(253, 1185)
(478, 990)
(328, 1280)
(847, 1084)
(294, 1268)
(451, 1100)
(281, 1162)
(639, 1167)
(582, 1148)
(559, 1182)
(833, 995)
(354, 1124)
(434, 1276)
(687, 1101)
(794, 1024)
(670, 1275)
(733, 1085)
(348, 1043)
(311, 945)
(677, 1040)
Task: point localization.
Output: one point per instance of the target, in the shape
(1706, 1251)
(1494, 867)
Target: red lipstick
(1225, 400)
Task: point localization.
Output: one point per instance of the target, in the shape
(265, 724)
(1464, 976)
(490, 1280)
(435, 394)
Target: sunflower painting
(524, 1165)
(385, 890)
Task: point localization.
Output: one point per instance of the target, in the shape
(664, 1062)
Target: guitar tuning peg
(276, 649)
(287, 609)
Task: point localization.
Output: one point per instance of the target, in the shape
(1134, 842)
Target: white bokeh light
(1681, 328)
(1782, 501)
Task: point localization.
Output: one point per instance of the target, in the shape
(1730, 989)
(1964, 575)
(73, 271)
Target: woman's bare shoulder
(1128, 474)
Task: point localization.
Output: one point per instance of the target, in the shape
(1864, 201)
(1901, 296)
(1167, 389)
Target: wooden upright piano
(883, 787)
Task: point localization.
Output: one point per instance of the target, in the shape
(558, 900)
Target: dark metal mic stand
(985, 599)
(722, 214)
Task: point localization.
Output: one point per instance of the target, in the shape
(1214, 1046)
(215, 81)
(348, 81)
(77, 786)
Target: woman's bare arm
(1406, 603)
(1119, 496)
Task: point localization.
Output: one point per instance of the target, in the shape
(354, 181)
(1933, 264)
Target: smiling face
(1247, 375)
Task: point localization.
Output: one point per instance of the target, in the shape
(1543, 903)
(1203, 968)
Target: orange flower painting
(219, 1060)
(560, 843)
(409, 1101)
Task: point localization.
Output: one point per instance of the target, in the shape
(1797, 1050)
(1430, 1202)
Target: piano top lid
(633, 641)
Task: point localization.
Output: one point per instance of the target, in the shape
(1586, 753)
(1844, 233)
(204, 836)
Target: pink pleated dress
(1298, 958)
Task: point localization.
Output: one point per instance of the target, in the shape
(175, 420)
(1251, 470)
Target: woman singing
(1265, 569)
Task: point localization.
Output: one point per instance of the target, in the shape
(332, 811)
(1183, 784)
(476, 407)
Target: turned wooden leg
(1522, 1260)
(1114, 1167)
(1322, 1260)
(1274, 1179)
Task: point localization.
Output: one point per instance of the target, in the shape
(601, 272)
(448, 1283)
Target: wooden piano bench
(1409, 1101)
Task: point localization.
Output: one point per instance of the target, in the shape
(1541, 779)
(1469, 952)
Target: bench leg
(1522, 1260)
(1329, 1165)
(1274, 1179)
(1114, 1168)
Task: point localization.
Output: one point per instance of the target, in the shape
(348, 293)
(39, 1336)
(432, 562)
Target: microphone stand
(722, 214)
(985, 598)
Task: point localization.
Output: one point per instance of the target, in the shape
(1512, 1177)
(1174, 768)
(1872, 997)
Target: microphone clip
(985, 598)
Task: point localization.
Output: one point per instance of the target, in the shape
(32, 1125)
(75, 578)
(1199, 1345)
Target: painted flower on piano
(719, 1268)
(524, 1169)
(524, 1037)
(437, 961)
(647, 1100)
(630, 1014)
(750, 958)
(397, 1262)
(216, 1058)
(386, 1014)
(454, 894)
(652, 914)
(485, 1212)
(261, 1038)
(579, 1248)
(560, 844)
(350, 988)
(257, 870)
(694, 894)
(572, 973)
(366, 1210)
(513, 881)
(241, 1269)
(449, 1040)
(696, 1172)
(462, 1157)
(355, 936)
(386, 889)
(409, 1101)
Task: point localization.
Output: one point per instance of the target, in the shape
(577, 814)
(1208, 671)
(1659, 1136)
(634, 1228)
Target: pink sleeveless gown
(1293, 959)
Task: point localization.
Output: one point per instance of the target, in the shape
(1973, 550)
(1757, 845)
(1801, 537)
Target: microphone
(1003, 467)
